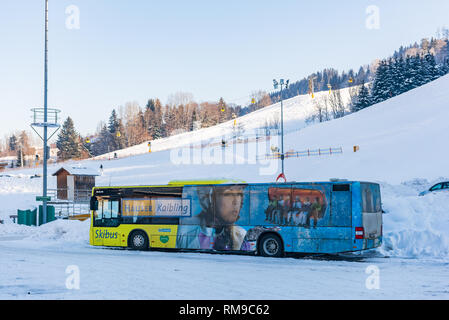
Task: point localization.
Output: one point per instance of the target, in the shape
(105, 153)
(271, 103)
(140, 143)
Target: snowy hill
(400, 139)
(296, 111)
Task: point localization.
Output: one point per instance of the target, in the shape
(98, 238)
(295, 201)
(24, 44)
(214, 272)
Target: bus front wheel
(270, 245)
(138, 240)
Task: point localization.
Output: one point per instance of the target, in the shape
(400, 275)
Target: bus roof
(204, 182)
(182, 183)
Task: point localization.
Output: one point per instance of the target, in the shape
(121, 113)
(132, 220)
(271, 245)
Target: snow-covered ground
(403, 146)
(39, 266)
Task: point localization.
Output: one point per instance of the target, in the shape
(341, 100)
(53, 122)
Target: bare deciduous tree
(336, 104)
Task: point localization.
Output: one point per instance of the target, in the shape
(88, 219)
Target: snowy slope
(296, 111)
(403, 138)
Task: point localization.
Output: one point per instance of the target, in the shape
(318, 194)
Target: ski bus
(268, 219)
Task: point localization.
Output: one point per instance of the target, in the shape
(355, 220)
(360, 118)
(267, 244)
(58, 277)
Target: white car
(442, 186)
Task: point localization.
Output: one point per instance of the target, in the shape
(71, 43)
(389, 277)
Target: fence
(76, 195)
(69, 209)
(305, 153)
(69, 203)
(230, 141)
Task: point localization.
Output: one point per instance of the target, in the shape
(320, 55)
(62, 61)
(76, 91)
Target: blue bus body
(324, 217)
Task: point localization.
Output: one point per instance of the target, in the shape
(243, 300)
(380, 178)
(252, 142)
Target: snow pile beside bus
(414, 226)
(65, 231)
(72, 231)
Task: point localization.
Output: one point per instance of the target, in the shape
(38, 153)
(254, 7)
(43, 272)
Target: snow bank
(63, 230)
(70, 231)
(414, 226)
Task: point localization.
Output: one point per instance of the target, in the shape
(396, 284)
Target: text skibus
(270, 219)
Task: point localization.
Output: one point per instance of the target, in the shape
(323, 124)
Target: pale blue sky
(134, 50)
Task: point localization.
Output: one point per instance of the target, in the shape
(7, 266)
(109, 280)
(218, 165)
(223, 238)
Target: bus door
(106, 221)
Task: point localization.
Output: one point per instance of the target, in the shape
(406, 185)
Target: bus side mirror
(93, 204)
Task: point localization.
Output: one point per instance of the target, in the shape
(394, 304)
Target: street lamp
(284, 85)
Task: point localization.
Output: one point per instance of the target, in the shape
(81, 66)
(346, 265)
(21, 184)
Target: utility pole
(44, 205)
(283, 85)
(42, 119)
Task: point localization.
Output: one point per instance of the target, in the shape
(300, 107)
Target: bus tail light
(359, 233)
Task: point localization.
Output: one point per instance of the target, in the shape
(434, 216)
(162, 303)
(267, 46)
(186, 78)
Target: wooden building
(75, 183)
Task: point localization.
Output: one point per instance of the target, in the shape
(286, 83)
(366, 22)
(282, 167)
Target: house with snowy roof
(75, 183)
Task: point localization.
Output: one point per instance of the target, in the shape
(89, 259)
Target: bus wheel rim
(271, 247)
(138, 240)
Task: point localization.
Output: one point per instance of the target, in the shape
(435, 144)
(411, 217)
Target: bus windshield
(107, 214)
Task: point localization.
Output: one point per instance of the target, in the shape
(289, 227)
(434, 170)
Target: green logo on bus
(164, 239)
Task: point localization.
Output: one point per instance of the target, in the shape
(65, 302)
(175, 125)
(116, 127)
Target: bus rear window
(371, 201)
(340, 187)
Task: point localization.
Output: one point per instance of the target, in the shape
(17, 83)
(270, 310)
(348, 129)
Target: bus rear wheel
(270, 245)
(138, 240)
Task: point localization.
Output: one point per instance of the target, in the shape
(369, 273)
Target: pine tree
(381, 90)
(151, 105)
(68, 142)
(113, 123)
(430, 70)
(193, 120)
(397, 76)
(120, 139)
(86, 146)
(103, 142)
(12, 144)
(141, 127)
(117, 139)
(20, 160)
(156, 125)
(363, 99)
(445, 67)
(417, 71)
(408, 74)
(223, 110)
